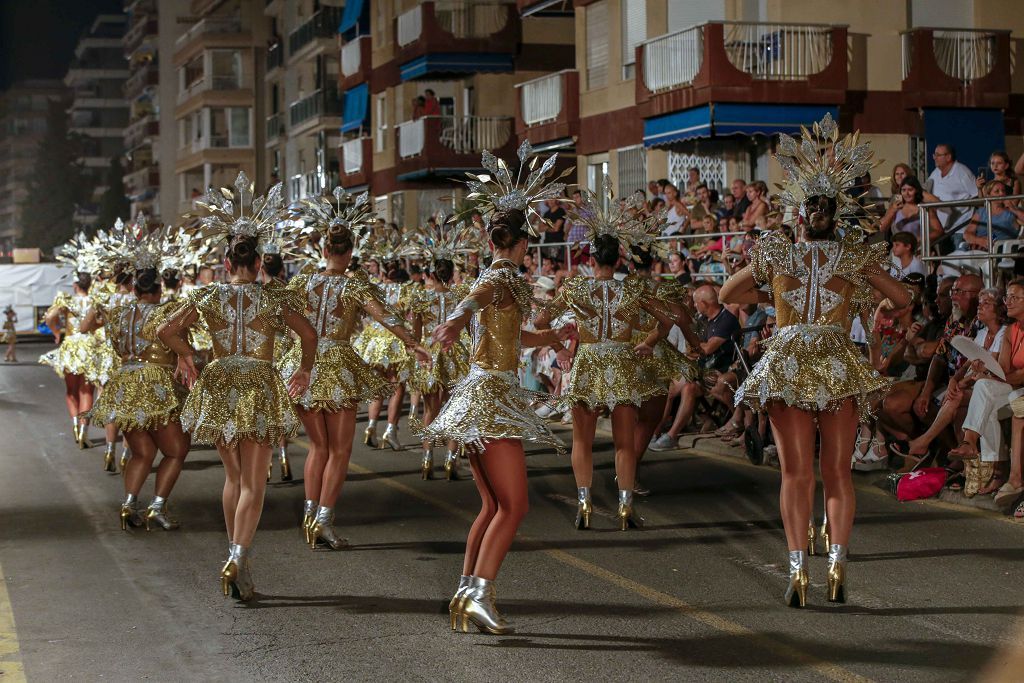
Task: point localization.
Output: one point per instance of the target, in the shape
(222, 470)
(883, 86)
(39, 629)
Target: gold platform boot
(286, 467)
(427, 464)
(451, 466)
(236, 575)
(812, 538)
(109, 461)
(308, 517)
(131, 515)
(455, 606)
(370, 435)
(156, 514)
(322, 533)
(479, 609)
(836, 573)
(627, 518)
(796, 591)
(126, 455)
(583, 507)
(390, 438)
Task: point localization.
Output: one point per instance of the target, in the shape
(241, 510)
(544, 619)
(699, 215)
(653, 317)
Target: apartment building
(151, 91)
(301, 98)
(471, 55)
(219, 74)
(23, 121)
(98, 110)
(660, 86)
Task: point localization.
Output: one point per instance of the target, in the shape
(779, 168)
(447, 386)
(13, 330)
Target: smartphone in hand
(982, 172)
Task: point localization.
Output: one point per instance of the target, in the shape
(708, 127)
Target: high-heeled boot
(308, 516)
(796, 591)
(236, 575)
(836, 573)
(812, 538)
(478, 607)
(286, 467)
(156, 513)
(82, 436)
(131, 515)
(824, 535)
(627, 518)
(427, 464)
(109, 461)
(583, 507)
(451, 466)
(321, 531)
(390, 438)
(126, 455)
(370, 435)
(455, 606)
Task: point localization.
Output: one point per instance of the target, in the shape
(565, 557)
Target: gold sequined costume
(449, 366)
(667, 363)
(239, 395)
(340, 378)
(817, 287)
(78, 351)
(142, 392)
(108, 359)
(10, 335)
(489, 403)
(377, 346)
(606, 371)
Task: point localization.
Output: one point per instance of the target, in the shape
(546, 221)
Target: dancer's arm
(483, 294)
(740, 288)
(299, 382)
(173, 334)
(396, 326)
(93, 320)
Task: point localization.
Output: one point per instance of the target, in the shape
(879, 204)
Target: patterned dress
(667, 362)
(818, 287)
(377, 346)
(78, 351)
(447, 366)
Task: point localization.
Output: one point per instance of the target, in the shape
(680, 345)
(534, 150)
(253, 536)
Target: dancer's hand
(186, 372)
(423, 354)
(643, 349)
(446, 335)
(298, 383)
(564, 357)
(565, 332)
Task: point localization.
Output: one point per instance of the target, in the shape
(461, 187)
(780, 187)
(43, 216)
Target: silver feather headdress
(625, 219)
(238, 212)
(445, 240)
(323, 217)
(82, 253)
(500, 191)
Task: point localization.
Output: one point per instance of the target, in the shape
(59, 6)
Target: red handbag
(923, 483)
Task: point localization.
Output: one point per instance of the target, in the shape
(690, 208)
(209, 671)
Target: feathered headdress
(180, 252)
(823, 165)
(499, 191)
(323, 218)
(445, 240)
(623, 219)
(82, 254)
(238, 212)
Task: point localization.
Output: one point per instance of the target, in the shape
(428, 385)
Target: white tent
(30, 287)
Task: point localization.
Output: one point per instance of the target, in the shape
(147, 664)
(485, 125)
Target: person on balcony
(1000, 169)
(703, 207)
(431, 107)
(756, 213)
(951, 181)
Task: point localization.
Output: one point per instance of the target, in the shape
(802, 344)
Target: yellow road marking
(11, 669)
(828, 670)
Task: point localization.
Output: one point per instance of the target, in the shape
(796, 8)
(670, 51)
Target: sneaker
(665, 442)
(545, 411)
(639, 489)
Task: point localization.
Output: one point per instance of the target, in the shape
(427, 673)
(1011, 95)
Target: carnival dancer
(238, 402)
(74, 358)
(438, 246)
(811, 377)
(607, 371)
(335, 302)
(10, 334)
(274, 271)
(378, 347)
(489, 413)
(142, 398)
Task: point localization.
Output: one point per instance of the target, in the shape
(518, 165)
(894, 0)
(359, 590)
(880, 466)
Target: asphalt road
(934, 590)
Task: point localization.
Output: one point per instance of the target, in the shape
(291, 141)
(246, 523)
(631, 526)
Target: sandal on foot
(965, 451)
(1007, 495)
(993, 486)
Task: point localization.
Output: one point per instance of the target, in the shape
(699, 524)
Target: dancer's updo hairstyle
(122, 274)
(242, 251)
(338, 240)
(443, 270)
(605, 250)
(84, 281)
(506, 229)
(273, 264)
(147, 281)
(171, 278)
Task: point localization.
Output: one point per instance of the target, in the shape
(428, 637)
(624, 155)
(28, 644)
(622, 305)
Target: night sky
(37, 37)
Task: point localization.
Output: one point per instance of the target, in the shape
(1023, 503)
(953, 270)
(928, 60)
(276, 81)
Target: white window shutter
(634, 28)
(597, 45)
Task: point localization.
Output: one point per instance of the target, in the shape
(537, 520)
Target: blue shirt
(1004, 225)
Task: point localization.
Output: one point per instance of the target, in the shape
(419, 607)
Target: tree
(56, 186)
(114, 203)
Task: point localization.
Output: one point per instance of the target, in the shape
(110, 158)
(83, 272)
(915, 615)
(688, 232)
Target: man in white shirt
(904, 260)
(950, 181)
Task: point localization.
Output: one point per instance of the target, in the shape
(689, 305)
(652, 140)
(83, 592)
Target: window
(597, 45)
(226, 66)
(238, 127)
(634, 32)
(382, 122)
(632, 171)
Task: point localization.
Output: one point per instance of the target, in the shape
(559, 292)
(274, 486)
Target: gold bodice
(133, 327)
(505, 299)
(604, 310)
(434, 307)
(73, 308)
(334, 303)
(243, 318)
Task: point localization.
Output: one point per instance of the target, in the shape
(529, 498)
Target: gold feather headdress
(445, 240)
(623, 219)
(323, 217)
(82, 253)
(238, 212)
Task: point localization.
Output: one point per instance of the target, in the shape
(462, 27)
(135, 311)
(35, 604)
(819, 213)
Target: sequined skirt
(486, 406)
(340, 378)
(610, 374)
(9, 337)
(107, 361)
(76, 355)
(139, 396)
(445, 371)
(239, 398)
(378, 347)
(814, 368)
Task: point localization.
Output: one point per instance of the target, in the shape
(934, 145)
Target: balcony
(442, 144)
(956, 68)
(548, 107)
(356, 156)
(137, 131)
(356, 64)
(141, 78)
(275, 56)
(139, 31)
(456, 36)
(321, 103)
(275, 128)
(205, 84)
(728, 61)
(323, 24)
(211, 32)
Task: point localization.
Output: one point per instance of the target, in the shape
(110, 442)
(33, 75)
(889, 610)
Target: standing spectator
(904, 256)
(951, 180)
(418, 106)
(738, 190)
(554, 227)
(703, 207)
(692, 181)
(999, 167)
(756, 214)
(677, 211)
(653, 189)
(431, 107)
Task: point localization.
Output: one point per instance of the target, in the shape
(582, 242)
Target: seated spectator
(738, 190)
(717, 353)
(655, 205)
(900, 172)
(726, 208)
(903, 215)
(904, 256)
(703, 207)
(1011, 359)
(756, 213)
(692, 181)
(1000, 168)
(529, 267)
(677, 212)
(1006, 219)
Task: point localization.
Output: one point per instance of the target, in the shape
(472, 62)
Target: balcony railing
(673, 60)
(411, 136)
(352, 155)
(323, 24)
(323, 102)
(275, 126)
(956, 68)
(470, 19)
(460, 134)
(541, 99)
(410, 25)
(965, 55)
(209, 25)
(141, 77)
(208, 142)
(351, 56)
(275, 55)
(211, 83)
(784, 52)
